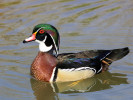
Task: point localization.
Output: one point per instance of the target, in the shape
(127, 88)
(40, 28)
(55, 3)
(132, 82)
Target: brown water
(83, 24)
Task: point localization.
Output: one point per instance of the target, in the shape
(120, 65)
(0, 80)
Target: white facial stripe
(45, 39)
(38, 29)
(43, 47)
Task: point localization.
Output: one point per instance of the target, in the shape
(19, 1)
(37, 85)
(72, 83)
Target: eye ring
(41, 31)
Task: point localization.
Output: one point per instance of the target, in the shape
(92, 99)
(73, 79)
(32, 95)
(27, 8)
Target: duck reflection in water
(98, 82)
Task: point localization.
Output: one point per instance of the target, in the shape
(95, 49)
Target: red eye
(41, 31)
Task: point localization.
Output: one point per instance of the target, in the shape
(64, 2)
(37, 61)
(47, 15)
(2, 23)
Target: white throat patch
(42, 45)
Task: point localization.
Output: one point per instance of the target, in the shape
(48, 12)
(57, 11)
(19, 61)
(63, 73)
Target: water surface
(83, 25)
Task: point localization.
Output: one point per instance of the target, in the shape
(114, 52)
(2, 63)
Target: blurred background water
(83, 25)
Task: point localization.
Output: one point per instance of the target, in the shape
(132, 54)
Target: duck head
(47, 36)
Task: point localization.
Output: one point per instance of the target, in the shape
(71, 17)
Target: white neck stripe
(54, 44)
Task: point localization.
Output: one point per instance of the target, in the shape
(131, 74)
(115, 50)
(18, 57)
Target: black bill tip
(24, 41)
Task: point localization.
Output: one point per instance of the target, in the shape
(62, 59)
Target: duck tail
(115, 54)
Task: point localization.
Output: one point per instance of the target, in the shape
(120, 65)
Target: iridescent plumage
(48, 66)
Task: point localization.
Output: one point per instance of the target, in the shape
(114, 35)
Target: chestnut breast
(42, 66)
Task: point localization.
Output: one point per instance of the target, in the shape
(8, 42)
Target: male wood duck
(50, 66)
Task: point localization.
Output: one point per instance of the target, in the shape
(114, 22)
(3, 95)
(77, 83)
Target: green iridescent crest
(52, 31)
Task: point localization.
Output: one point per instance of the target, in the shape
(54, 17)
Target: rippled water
(83, 24)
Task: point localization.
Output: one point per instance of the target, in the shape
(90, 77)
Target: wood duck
(49, 66)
